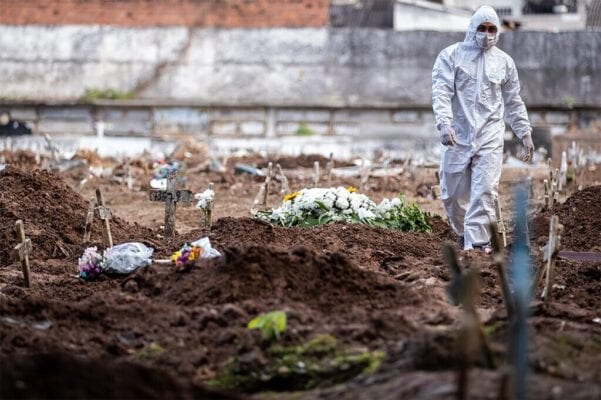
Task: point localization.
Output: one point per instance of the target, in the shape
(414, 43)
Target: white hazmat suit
(474, 86)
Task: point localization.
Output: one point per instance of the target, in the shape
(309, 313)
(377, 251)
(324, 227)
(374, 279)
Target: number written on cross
(181, 196)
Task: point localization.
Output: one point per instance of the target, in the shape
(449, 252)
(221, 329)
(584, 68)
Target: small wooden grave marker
(546, 198)
(87, 231)
(23, 249)
(435, 189)
(499, 260)
(207, 219)
(329, 168)
(386, 167)
(563, 172)
(555, 230)
(268, 179)
(171, 196)
(104, 214)
(500, 222)
(258, 199)
(364, 175)
(285, 187)
(128, 176)
(462, 290)
(315, 173)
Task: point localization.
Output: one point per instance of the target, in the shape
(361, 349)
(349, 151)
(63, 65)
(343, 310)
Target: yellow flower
(194, 254)
(175, 255)
(290, 196)
(351, 189)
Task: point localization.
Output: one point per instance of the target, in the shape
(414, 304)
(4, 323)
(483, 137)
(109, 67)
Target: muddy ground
(356, 297)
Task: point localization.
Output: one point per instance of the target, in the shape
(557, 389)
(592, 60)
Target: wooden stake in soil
(104, 214)
(555, 230)
(329, 168)
(386, 166)
(499, 259)
(468, 336)
(546, 198)
(270, 172)
(364, 175)
(171, 196)
(258, 199)
(23, 249)
(87, 230)
(207, 220)
(315, 173)
(267, 182)
(563, 172)
(500, 223)
(284, 181)
(128, 177)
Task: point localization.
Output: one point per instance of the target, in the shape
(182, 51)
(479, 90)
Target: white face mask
(486, 40)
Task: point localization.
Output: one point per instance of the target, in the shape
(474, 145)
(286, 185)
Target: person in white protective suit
(474, 86)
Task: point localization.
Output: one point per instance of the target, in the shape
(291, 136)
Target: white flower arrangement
(205, 199)
(316, 206)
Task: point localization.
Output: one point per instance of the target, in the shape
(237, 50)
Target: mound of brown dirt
(377, 249)
(53, 215)
(581, 217)
(324, 282)
(62, 376)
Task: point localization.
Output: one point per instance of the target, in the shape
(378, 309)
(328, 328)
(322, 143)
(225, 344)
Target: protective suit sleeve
(443, 89)
(515, 109)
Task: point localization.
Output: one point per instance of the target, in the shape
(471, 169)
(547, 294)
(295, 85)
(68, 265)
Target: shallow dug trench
(367, 315)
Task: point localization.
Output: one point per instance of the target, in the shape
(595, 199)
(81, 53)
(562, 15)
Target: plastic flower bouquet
(90, 264)
(186, 254)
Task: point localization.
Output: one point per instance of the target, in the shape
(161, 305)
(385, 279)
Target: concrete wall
(276, 67)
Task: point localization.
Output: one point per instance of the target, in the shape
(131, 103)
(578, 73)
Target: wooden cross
(329, 168)
(258, 199)
(171, 196)
(315, 173)
(285, 187)
(208, 212)
(104, 214)
(23, 249)
(89, 220)
(267, 182)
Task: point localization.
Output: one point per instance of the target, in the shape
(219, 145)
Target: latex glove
(447, 136)
(528, 148)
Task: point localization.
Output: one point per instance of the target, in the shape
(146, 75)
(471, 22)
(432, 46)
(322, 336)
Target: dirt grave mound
(324, 282)
(29, 377)
(53, 215)
(581, 217)
(371, 248)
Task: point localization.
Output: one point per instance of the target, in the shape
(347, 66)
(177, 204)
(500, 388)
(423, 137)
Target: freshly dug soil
(328, 283)
(580, 216)
(61, 376)
(53, 215)
(165, 332)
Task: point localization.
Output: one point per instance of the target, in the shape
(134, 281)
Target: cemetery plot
(338, 310)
